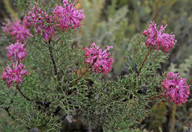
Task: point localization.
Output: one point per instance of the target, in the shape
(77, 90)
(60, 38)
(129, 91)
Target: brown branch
(8, 112)
(54, 65)
(187, 120)
(17, 87)
(52, 59)
(37, 102)
(144, 62)
(159, 95)
(81, 74)
(138, 74)
(173, 120)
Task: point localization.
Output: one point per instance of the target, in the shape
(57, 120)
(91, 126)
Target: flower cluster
(175, 88)
(14, 73)
(42, 22)
(98, 59)
(157, 39)
(16, 51)
(17, 30)
(67, 16)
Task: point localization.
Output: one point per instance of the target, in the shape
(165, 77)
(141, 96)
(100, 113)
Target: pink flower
(42, 22)
(16, 51)
(67, 16)
(7, 27)
(175, 88)
(17, 30)
(98, 59)
(14, 74)
(157, 39)
(65, 2)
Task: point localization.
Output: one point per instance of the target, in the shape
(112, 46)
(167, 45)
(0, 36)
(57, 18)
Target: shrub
(60, 79)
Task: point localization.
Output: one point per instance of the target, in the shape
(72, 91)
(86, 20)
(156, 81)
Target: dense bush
(51, 77)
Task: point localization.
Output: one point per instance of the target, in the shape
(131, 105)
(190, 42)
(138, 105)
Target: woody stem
(54, 64)
(17, 87)
(138, 74)
(159, 95)
(144, 62)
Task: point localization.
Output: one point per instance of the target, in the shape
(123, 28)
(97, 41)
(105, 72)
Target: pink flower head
(98, 59)
(14, 74)
(16, 51)
(175, 88)
(67, 16)
(157, 39)
(42, 22)
(17, 30)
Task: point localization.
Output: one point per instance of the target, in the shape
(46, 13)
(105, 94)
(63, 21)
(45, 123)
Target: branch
(52, 59)
(138, 74)
(8, 112)
(173, 121)
(159, 95)
(187, 120)
(144, 62)
(54, 64)
(17, 87)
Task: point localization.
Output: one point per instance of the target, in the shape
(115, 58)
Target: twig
(143, 62)
(17, 87)
(8, 112)
(73, 83)
(81, 75)
(138, 74)
(187, 120)
(37, 102)
(54, 64)
(52, 59)
(159, 95)
(173, 121)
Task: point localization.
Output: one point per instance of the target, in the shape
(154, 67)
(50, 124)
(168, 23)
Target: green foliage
(117, 105)
(114, 103)
(7, 125)
(184, 68)
(21, 5)
(158, 116)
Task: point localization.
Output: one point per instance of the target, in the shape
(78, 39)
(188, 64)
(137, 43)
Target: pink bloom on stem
(175, 88)
(68, 16)
(98, 59)
(42, 22)
(157, 39)
(17, 30)
(14, 74)
(16, 51)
